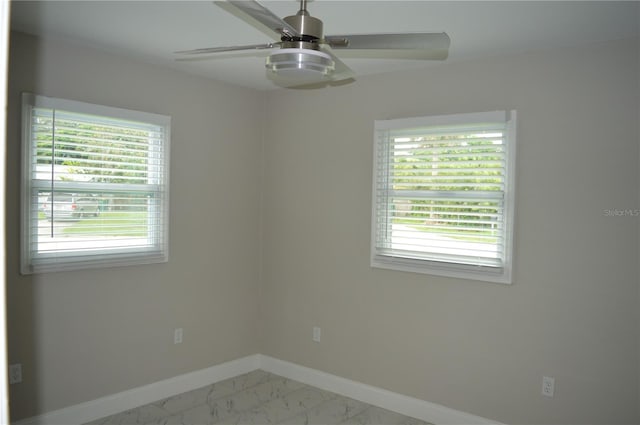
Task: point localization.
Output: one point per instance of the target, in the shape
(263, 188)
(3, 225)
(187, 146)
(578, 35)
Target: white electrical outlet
(15, 373)
(548, 386)
(316, 334)
(177, 336)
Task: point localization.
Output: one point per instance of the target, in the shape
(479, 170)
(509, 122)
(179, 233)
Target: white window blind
(95, 185)
(443, 195)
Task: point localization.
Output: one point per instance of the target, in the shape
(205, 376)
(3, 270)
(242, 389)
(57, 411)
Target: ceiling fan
(304, 55)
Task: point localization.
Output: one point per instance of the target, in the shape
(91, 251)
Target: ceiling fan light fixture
(305, 57)
(300, 64)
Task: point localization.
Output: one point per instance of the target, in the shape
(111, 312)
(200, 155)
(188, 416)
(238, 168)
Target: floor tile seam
(137, 413)
(334, 397)
(170, 413)
(224, 384)
(317, 406)
(181, 411)
(311, 387)
(369, 407)
(282, 394)
(160, 402)
(361, 412)
(206, 403)
(167, 414)
(271, 377)
(264, 403)
(235, 392)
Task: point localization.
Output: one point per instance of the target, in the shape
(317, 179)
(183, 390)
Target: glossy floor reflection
(258, 397)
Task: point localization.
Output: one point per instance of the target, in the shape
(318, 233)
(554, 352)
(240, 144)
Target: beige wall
(572, 311)
(87, 334)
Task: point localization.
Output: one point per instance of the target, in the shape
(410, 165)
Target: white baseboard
(115, 403)
(409, 406)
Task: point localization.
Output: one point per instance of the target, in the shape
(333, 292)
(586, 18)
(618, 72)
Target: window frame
(157, 252)
(502, 274)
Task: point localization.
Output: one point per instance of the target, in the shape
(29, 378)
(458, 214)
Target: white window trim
(29, 263)
(498, 275)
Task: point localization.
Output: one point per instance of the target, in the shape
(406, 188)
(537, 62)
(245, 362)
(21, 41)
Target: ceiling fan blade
(394, 54)
(437, 42)
(261, 14)
(208, 50)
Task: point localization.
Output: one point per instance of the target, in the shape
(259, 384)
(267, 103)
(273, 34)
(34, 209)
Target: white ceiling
(153, 30)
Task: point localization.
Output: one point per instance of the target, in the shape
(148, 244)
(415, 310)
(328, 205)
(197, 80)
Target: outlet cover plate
(177, 336)
(548, 386)
(15, 373)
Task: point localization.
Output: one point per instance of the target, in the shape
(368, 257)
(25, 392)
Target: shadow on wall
(24, 398)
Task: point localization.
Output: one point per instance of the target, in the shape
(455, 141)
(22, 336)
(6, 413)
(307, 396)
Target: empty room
(323, 212)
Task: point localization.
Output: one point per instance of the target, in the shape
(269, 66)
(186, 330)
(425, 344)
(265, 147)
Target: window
(95, 189)
(443, 195)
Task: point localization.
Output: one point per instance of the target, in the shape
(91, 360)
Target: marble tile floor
(258, 397)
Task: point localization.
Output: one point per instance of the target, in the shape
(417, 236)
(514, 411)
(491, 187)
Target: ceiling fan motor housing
(300, 59)
(309, 28)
